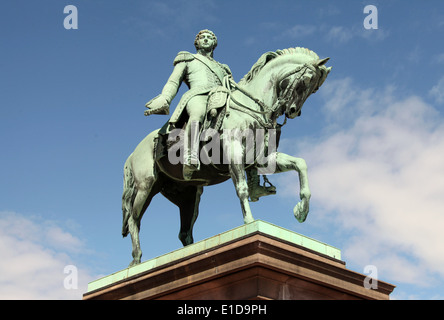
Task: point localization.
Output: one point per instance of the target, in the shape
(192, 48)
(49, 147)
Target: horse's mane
(268, 56)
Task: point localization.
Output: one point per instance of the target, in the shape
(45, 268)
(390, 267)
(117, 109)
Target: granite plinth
(255, 261)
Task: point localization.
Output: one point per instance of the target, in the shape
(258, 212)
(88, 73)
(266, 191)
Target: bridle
(231, 85)
(283, 98)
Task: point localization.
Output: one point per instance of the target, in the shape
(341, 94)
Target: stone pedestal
(254, 261)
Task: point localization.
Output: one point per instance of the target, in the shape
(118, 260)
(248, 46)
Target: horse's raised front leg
(285, 163)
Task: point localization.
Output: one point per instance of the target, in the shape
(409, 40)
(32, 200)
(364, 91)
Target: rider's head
(206, 40)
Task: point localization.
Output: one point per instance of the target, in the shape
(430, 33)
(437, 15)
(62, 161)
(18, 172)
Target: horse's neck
(247, 108)
(263, 88)
(263, 85)
(259, 89)
(254, 99)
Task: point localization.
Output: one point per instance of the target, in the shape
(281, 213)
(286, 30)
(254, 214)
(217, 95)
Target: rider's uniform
(201, 74)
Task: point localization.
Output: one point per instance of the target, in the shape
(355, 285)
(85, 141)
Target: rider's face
(206, 41)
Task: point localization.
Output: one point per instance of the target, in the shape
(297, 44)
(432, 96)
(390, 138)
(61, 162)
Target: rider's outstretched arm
(161, 103)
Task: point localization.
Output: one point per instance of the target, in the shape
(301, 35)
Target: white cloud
(439, 58)
(378, 176)
(34, 254)
(298, 31)
(340, 33)
(437, 91)
(343, 34)
(332, 33)
(163, 18)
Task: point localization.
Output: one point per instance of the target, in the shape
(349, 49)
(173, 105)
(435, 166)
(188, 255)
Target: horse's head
(294, 85)
(285, 78)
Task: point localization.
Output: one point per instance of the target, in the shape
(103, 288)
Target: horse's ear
(270, 56)
(328, 70)
(321, 62)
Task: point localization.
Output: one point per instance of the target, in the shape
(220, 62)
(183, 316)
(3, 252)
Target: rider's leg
(196, 109)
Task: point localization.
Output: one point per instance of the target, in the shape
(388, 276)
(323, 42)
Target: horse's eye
(284, 84)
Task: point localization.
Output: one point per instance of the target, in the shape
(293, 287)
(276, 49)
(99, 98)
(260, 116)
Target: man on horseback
(201, 73)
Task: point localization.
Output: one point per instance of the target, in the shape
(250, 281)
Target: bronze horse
(277, 84)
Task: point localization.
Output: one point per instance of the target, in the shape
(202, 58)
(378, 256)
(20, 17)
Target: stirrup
(258, 191)
(261, 191)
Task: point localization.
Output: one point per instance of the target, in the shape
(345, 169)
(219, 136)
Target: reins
(230, 84)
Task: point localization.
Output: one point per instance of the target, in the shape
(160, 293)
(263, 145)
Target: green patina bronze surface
(276, 87)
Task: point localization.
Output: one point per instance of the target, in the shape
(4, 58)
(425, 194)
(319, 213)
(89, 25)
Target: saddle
(217, 110)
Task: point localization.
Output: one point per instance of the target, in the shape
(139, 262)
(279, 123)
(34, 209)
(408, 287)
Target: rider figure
(201, 73)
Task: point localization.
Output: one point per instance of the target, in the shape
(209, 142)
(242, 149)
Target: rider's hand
(158, 105)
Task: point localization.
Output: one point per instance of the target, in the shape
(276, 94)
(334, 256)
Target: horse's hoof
(134, 263)
(300, 213)
(248, 220)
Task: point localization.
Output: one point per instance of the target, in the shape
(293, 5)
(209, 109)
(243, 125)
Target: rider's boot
(255, 190)
(191, 162)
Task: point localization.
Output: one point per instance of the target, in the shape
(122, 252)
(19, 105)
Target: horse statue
(277, 85)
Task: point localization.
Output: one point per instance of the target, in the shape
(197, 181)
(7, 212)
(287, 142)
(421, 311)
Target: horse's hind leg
(140, 185)
(187, 198)
(142, 200)
(134, 227)
(189, 210)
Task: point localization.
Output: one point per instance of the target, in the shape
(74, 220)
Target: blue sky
(71, 111)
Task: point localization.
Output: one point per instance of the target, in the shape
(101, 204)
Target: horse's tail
(129, 192)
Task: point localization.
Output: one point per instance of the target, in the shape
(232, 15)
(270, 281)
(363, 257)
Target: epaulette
(227, 68)
(183, 56)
